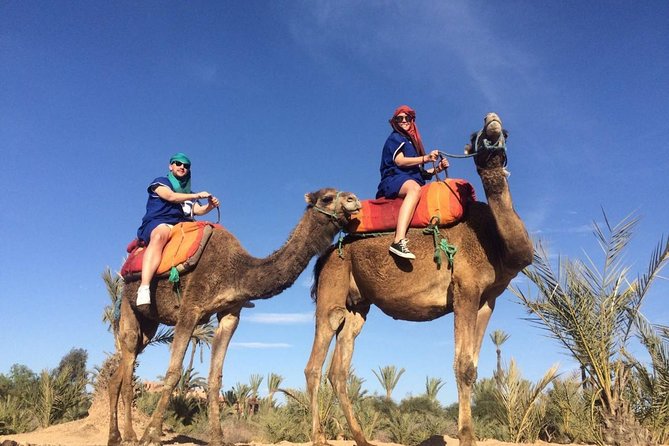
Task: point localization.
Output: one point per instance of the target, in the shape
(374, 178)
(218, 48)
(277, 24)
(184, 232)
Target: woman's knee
(159, 235)
(410, 187)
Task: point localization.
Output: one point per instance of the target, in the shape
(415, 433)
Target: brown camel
(493, 246)
(225, 279)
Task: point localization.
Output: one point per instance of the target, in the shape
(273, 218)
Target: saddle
(182, 251)
(444, 200)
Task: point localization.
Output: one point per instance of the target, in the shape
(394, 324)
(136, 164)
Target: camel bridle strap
(334, 216)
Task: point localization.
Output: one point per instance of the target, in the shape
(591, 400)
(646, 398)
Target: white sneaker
(143, 295)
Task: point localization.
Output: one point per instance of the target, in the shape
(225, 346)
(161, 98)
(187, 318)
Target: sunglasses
(179, 164)
(403, 119)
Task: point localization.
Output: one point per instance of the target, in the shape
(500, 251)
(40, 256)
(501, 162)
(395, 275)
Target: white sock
(143, 295)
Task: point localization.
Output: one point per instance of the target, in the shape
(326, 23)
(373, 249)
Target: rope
(485, 145)
(340, 242)
(440, 243)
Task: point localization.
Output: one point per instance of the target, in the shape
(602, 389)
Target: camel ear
(310, 198)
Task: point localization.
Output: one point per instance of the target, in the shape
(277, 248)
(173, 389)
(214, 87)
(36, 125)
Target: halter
(334, 217)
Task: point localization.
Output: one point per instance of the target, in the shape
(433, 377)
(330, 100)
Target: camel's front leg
(183, 331)
(465, 315)
(340, 367)
(328, 321)
(227, 324)
(482, 319)
(132, 342)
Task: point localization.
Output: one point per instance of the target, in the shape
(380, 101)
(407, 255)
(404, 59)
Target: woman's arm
(410, 161)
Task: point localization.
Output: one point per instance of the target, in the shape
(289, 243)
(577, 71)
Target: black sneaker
(400, 249)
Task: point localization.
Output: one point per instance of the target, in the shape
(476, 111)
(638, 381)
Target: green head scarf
(181, 185)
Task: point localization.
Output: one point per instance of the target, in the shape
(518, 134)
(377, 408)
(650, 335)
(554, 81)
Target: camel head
(335, 204)
(489, 144)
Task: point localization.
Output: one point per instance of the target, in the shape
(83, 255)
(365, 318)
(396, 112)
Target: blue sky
(274, 99)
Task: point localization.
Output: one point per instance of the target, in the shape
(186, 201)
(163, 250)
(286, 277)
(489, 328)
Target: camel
(493, 247)
(226, 278)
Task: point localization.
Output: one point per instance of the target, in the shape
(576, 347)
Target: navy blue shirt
(159, 211)
(393, 176)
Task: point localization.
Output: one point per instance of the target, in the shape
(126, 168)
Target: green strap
(174, 278)
(353, 236)
(440, 243)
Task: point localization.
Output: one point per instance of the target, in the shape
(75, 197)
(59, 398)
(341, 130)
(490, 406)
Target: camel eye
(327, 199)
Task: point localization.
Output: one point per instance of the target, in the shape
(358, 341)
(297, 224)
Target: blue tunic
(159, 211)
(393, 176)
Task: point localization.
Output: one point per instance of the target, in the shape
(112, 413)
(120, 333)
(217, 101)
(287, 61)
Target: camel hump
(445, 200)
(182, 251)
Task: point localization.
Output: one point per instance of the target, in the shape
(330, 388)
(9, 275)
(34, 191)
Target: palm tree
(388, 376)
(241, 394)
(591, 313)
(110, 314)
(653, 385)
(432, 387)
(519, 403)
(202, 336)
(273, 383)
(499, 337)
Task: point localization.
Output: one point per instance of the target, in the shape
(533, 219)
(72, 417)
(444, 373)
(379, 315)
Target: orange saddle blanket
(183, 250)
(446, 200)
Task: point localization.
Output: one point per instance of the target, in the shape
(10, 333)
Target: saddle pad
(446, 200)
(183, 250)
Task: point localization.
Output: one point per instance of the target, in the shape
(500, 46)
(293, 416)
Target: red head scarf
(412, 133)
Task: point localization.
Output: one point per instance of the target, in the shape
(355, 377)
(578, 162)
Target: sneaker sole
(401, 254)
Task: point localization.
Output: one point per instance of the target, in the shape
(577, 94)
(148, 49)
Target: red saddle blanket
(446, 200)
(183, 250)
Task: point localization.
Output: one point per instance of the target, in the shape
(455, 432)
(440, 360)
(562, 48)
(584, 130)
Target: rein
(481, 145)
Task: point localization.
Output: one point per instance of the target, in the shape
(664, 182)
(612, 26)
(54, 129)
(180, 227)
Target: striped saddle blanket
(183, 250)
(446, 200)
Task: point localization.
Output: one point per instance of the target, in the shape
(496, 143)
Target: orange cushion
(185, 240)
(446, 200)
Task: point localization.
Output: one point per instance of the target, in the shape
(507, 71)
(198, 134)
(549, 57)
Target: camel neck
(267, 277)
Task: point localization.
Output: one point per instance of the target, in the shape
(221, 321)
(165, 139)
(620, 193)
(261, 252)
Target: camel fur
(225, 279)
(493, 247)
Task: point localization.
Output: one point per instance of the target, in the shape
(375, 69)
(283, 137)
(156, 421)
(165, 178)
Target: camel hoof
(150, 438)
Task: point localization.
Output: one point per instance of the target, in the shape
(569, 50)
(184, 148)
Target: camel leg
(465, 312)
(183, 330)
(482, 319)
(340, 367)
(327, 323)
(227, 324)
(133, 338)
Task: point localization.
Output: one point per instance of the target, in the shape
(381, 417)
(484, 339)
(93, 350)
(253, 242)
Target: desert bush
(568, 415)
(15, 418)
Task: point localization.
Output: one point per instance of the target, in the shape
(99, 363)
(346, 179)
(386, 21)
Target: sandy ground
(92, 431)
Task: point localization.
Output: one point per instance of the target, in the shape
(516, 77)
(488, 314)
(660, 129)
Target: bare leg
(341, 365)
(154, 252)
(410, 191)
(183, 330)
(227, 324)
